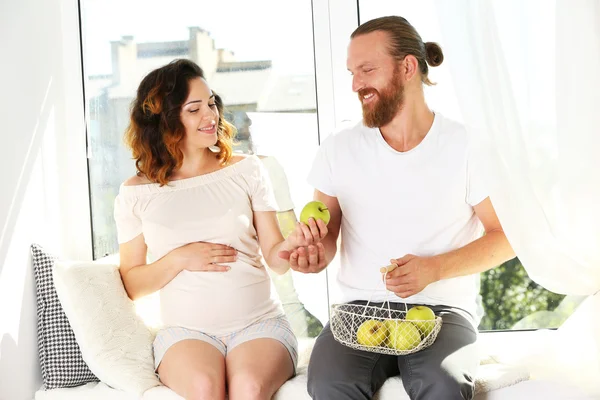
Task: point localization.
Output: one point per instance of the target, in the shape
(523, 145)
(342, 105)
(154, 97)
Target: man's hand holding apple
(305, 252)
(410, 274)
(306, 234)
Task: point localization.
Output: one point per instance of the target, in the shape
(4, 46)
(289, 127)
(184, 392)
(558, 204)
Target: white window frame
(334, 21)
(72, 170)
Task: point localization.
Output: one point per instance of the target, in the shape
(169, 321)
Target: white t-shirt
(395, 203)
(216, 208)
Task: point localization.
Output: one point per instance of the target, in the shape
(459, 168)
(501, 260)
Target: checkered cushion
(60, 357)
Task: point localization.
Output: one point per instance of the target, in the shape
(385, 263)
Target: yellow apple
(315, 209)
(402, 335)
(371, 333)
(423, 318)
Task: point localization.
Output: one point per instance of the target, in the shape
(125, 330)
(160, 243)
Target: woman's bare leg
(195, 370)
(256, 369)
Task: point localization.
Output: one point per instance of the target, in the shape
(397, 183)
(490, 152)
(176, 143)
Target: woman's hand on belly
(202, 256)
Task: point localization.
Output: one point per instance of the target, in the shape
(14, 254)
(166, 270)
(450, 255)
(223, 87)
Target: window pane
(262, 67)
(510, 299)
(513, 301)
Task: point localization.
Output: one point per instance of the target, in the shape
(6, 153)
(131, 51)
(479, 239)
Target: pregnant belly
(217, 302)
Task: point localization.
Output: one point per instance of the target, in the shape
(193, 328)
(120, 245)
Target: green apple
(402, 335)
(315, 209)
(423, 318)
(371, 333)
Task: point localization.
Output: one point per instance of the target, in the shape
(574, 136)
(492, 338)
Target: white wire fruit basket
(379, 329)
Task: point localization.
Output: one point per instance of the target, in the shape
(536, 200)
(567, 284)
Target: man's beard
(385, 107)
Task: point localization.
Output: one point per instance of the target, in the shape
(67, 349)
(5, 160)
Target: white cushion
(114, 341)
(90, 391)
(161, 393)
(296, 390)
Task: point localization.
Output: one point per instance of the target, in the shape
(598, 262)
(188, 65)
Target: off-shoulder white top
(217, 208)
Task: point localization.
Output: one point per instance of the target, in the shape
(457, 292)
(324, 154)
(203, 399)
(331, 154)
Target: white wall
(40, 77)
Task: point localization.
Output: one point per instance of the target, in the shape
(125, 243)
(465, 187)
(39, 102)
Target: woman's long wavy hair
(155, 131)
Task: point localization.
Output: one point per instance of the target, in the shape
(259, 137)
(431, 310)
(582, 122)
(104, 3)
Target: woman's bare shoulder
(237, 157)
(137, 180)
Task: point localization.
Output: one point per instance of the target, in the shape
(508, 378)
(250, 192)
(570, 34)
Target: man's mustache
(363, 92)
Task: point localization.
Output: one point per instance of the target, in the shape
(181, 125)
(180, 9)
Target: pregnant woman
(208, 219)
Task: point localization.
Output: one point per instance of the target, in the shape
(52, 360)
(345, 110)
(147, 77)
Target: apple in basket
(423, 318)
(315, 209)
(402, 335)
(371, 333)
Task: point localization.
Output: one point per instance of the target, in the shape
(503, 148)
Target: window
(263, 68)
(266, 77)
(509, 298)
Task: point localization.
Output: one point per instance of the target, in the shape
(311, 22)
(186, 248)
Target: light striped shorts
(277, 328)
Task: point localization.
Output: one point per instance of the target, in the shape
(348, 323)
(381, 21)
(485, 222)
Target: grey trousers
(443, 371)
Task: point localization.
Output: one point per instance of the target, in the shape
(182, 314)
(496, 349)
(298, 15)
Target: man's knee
(332, 381)
(442, 385)
(454, 387)
(320, 387)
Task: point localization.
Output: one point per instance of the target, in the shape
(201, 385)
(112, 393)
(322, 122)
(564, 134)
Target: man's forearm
(478, 256)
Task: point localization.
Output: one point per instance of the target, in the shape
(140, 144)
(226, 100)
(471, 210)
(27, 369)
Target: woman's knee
(205, 386)
(248, 385)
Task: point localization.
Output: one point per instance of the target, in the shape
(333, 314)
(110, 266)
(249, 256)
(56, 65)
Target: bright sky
(278, 30)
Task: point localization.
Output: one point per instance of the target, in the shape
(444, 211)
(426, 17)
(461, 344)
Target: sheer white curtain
(527, 77)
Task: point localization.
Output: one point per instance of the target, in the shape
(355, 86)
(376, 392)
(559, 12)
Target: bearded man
(403, 187)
